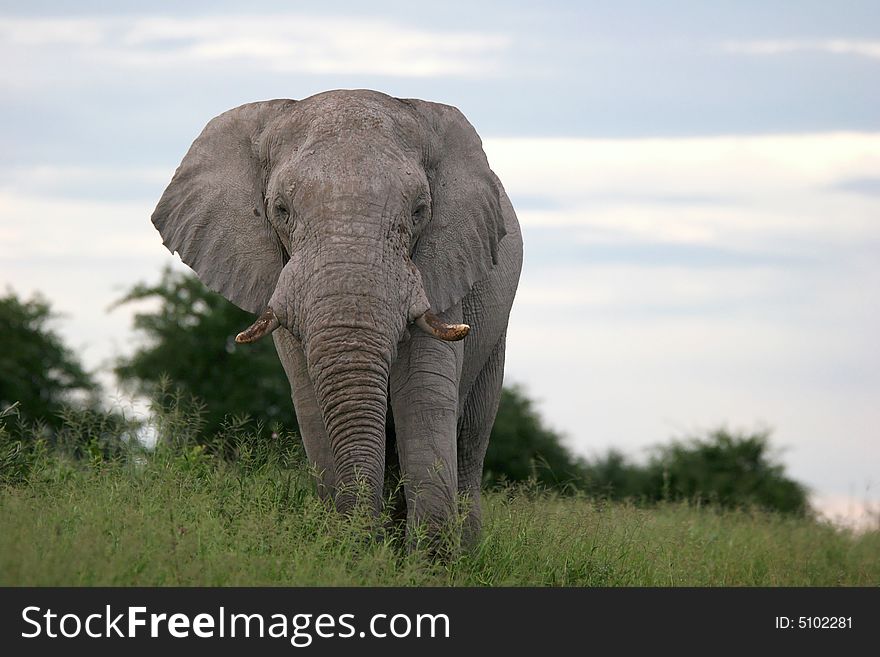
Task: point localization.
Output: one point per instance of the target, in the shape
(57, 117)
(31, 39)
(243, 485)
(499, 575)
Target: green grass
(186, 518)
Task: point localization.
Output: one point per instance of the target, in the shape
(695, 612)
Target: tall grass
(184, 515)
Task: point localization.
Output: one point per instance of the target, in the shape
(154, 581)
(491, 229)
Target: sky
(698, 185)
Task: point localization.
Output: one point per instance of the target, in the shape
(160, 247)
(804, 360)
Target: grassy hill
(182, 517)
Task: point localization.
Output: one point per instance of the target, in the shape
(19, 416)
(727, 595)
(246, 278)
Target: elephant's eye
(282, 212)
(420, 213)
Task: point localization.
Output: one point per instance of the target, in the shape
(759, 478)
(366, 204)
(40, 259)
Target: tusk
(267, 323)
(433, 325)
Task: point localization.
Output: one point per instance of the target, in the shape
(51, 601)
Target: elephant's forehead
(371, 180)
(346, 142)
(359, 116)
(353, 113)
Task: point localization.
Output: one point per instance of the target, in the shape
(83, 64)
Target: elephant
(375, 244)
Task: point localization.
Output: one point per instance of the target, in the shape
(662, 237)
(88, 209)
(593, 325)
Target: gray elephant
(370, 235)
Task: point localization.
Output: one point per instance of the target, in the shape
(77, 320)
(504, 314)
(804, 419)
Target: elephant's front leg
(308, 413)
(424, 400)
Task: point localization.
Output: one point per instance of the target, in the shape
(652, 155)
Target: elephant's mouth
(427, 321)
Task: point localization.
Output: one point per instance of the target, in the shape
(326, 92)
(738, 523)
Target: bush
(39, 372)
(724, 468)
(727, 469)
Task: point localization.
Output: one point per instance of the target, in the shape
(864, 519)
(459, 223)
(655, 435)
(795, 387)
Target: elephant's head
(344, 218)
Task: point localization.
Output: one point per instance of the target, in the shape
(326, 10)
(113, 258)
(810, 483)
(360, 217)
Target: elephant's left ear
(459, 246)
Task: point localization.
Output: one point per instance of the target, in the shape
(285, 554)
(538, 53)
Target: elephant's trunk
(349, 369)
(351, 317)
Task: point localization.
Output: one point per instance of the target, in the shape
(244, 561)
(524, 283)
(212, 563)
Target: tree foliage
(614, 476)
(727, 469)
(36, 369)
(189, 339)
(722, 468)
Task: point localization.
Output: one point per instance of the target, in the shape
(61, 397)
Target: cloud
(286, 43)
(861, 48)
(70, 182)
(866, 186)
(62, 229)
(768, 194)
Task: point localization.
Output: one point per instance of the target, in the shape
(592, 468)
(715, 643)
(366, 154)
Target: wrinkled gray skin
(350, 214)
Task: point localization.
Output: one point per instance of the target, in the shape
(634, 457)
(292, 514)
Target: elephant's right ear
(213, 212)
